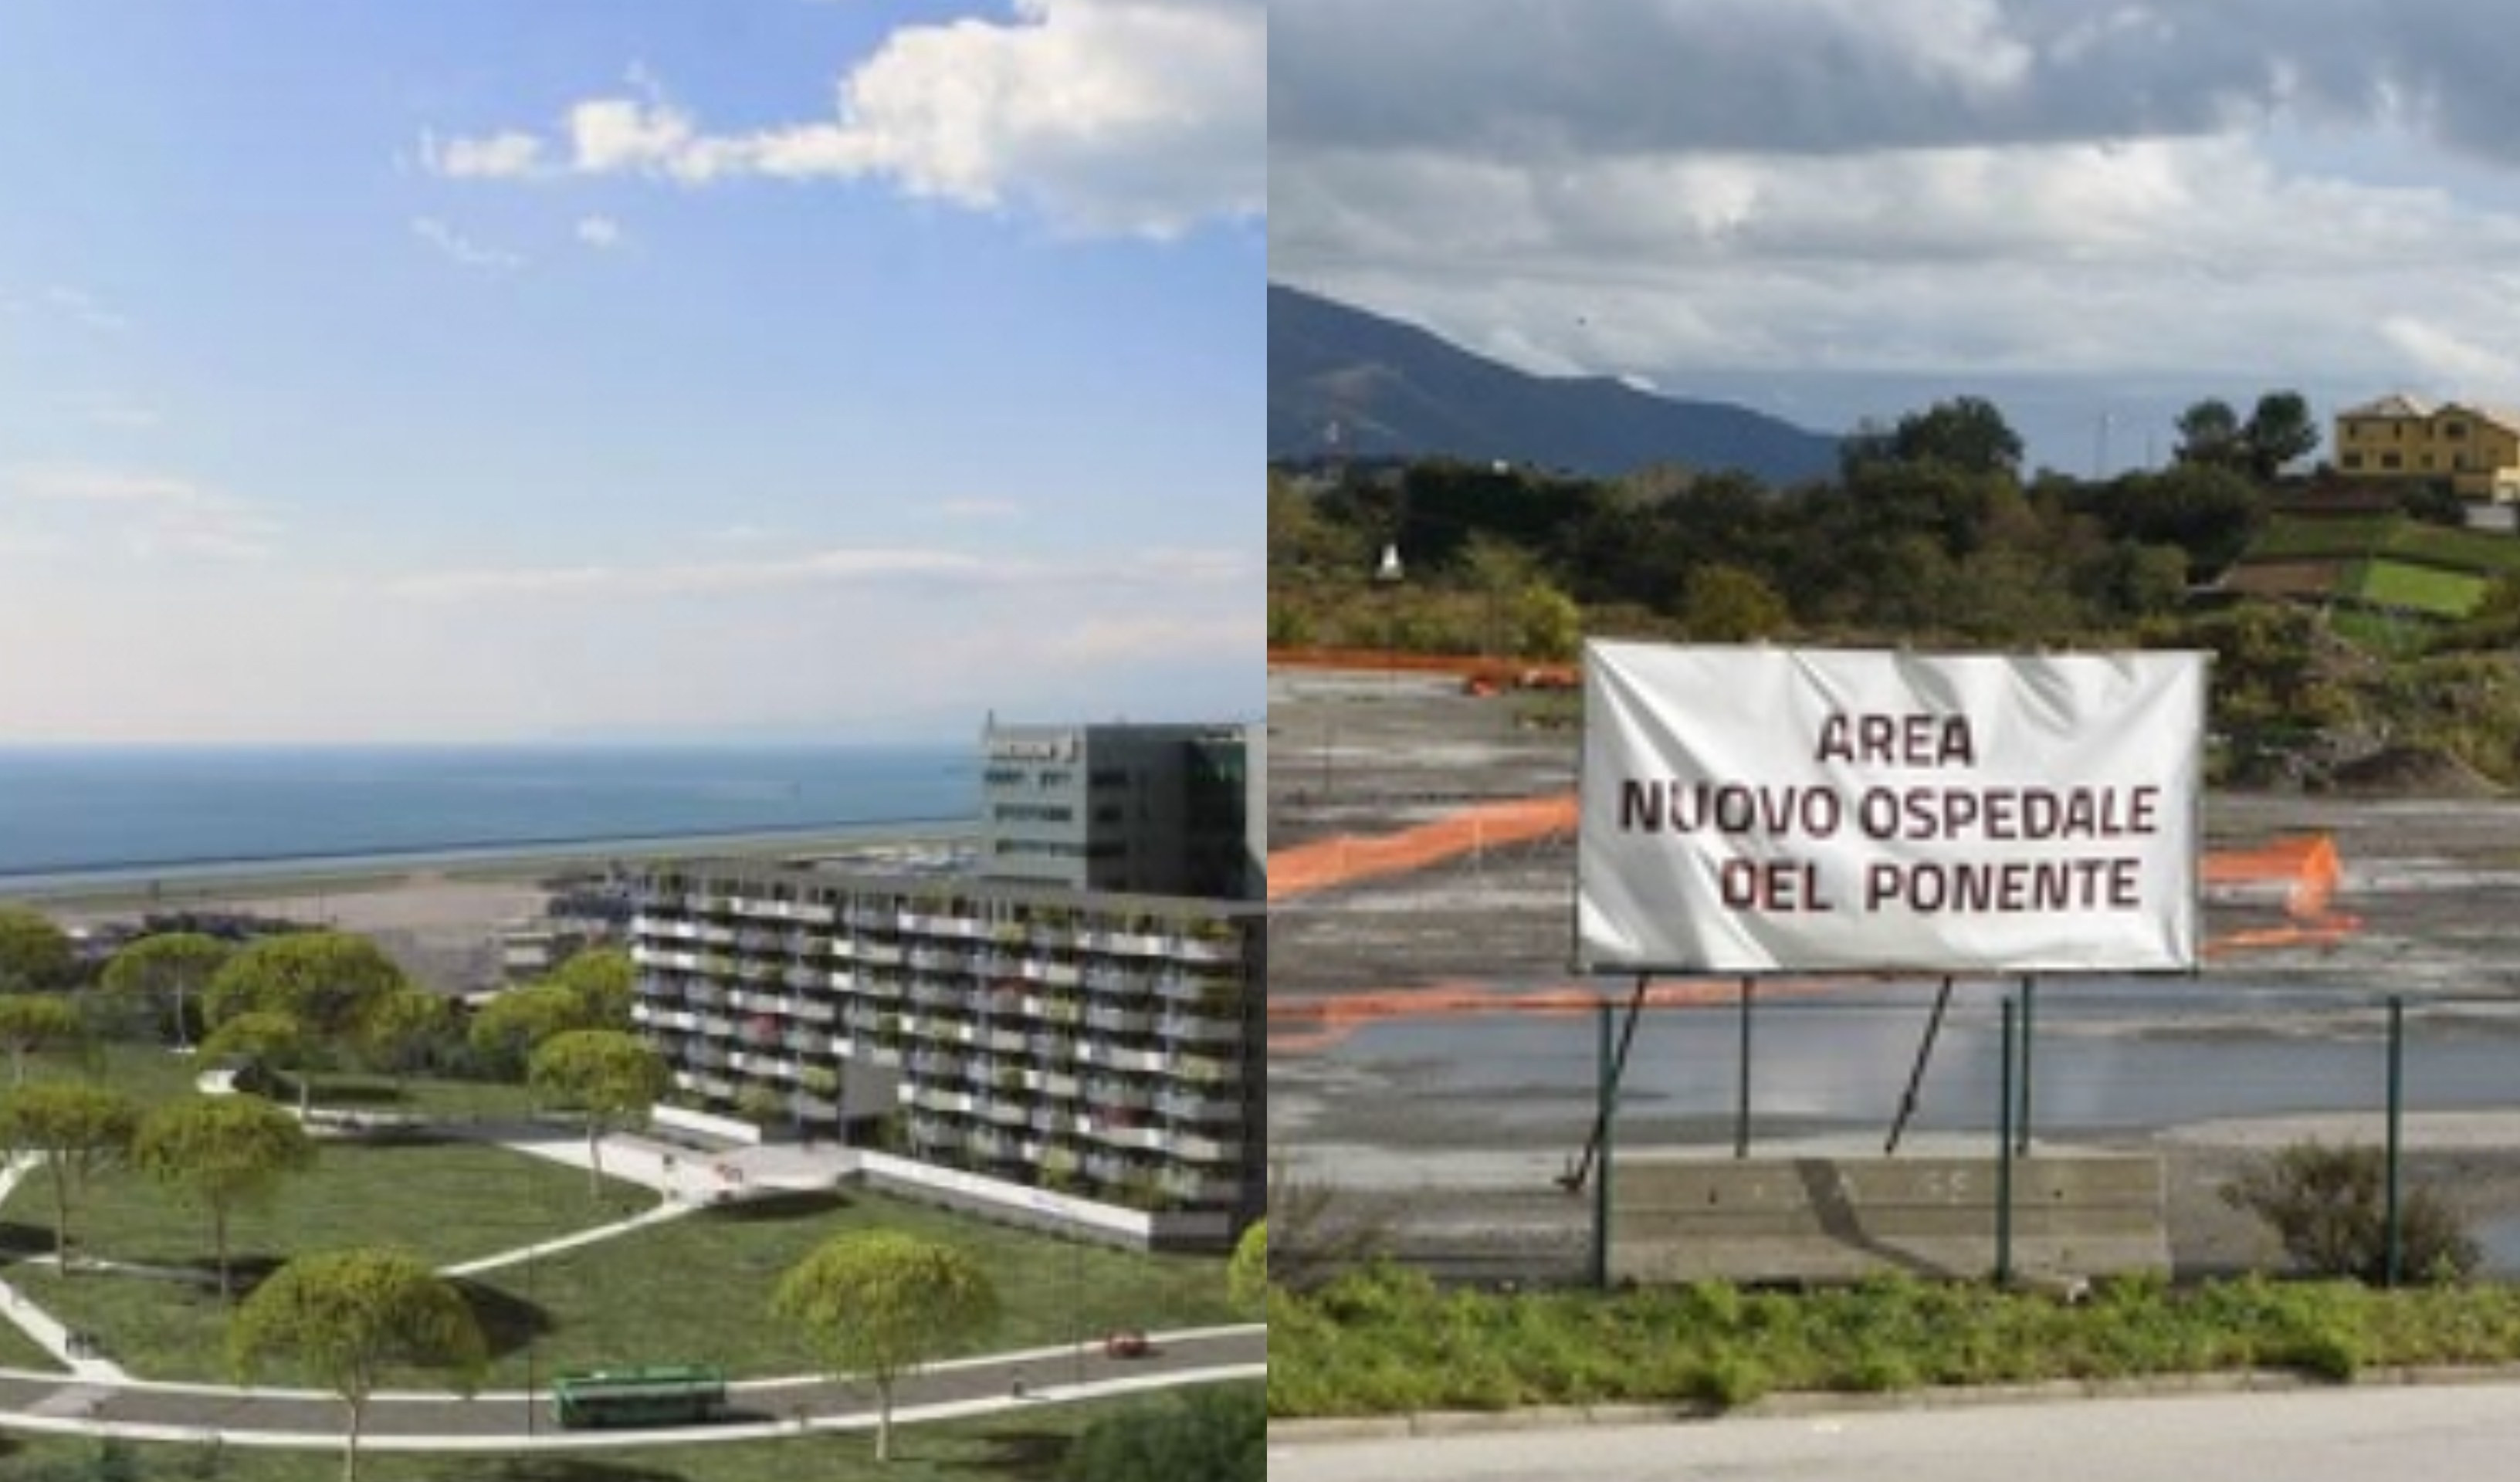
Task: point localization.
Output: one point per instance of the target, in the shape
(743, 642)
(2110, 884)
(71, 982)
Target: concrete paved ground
(2466, 1433)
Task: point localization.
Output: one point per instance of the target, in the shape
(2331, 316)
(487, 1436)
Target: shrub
(2327, 1205)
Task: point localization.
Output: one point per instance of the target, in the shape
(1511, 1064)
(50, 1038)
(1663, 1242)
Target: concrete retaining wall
(1682, 1217)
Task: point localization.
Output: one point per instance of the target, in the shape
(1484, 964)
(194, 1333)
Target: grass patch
(1024, 1446)
(697, 1289)
(1390, 1341)
(444, 1202)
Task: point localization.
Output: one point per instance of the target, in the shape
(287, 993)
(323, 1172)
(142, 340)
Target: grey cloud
(1529, 80)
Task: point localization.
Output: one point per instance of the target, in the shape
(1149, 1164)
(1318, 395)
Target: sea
(68, 813)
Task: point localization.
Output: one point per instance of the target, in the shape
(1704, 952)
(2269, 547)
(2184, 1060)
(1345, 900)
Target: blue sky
(779, 369)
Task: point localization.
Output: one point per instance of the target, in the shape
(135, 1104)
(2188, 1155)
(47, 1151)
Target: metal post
(1916, 1077)
(2396, 1228)
(1607, 1091)
(533, 1321)
(1076, 1299)
(1741, 1117)
(2029, 1009)
(2004, 1159)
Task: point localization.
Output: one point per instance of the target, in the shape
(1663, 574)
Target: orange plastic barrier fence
(1350, 857)
(2301, 876)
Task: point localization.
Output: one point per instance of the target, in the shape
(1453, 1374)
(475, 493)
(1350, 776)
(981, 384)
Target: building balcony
(927, 993)
(1183, 1106)
(817, 1011)
(1106, 1019)
(1206, 1070)
(938, 1065)
(1192, 1147)
(1184, 1027)
(1110, 1096)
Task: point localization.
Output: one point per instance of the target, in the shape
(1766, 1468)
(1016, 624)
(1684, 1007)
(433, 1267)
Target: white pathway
(687, 1179)
(49, 1331)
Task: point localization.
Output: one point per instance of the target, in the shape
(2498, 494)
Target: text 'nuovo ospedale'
(2087, 873)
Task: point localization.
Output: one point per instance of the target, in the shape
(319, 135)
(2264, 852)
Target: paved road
(2469, 1433)
(504, 1421)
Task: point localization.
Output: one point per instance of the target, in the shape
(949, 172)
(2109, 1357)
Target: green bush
(2329, 1206)
(1219, 1433)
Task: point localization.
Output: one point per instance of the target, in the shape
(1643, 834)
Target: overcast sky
(1830, 209)
(628, 369)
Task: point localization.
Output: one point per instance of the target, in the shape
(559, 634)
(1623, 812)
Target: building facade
(1109, 1048)
(1164, 810)
(2474, 450)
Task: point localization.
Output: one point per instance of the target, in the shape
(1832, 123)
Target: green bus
(665, 1395)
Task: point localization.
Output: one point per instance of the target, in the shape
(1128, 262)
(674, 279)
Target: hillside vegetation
(2388, 636)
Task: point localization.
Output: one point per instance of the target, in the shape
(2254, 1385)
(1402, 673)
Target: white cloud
(75, 507)
(837, 568)
(980, 509)
(84, 309)
(601, 233)
(2447, 363)
(462, 249)
(1118, 116)
(834, 566)
(122, 417)
(510, 156)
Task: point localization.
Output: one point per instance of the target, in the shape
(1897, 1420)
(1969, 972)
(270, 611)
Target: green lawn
(445, 1201)
(697, 1289)
(1018, 1447)
(2430, 590)
(18, 1351)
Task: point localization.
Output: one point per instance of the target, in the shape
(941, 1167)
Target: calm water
(2110, 1057)
(65, 810)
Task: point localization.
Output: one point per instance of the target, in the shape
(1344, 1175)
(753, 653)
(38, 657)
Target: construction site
(1436, 1067)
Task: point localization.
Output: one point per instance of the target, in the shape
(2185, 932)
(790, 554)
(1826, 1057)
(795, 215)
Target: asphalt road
(2469, 1433)
(506, 1419)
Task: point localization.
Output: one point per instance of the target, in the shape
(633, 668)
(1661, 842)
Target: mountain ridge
(1393, 390)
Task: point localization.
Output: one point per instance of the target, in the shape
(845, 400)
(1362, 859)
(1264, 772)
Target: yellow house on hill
(2475, 450)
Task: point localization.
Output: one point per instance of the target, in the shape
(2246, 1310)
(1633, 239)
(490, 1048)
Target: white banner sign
(1771, 810)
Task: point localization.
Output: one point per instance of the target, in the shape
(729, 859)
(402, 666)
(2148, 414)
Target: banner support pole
(2029, 1011)
(1916, 1077)
(1741, 1116)
(2004, 1158)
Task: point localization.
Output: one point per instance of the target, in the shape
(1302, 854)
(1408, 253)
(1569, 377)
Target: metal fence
(1489, 1137)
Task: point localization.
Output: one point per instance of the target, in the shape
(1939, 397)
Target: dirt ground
(2431, 887)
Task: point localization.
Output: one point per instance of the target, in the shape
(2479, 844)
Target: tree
(273, 1041)
(880, 1303)
(1548, 624)
(170, 966)
(614, 1079)
(2210, 433)
(325, 980)
(2280, 429)
(1966, 434)
(353, 1316)
(604, 984)
(1247, 1279)
(31, 1024)
(1729, 605)
(221, 1152)
(35, 955)
(403, 1029)
(78, 1130)
(511, 1028)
